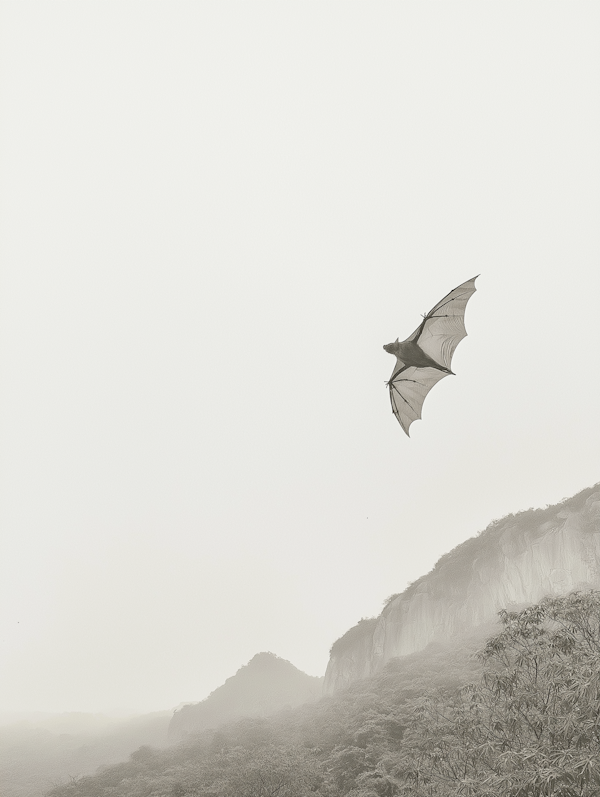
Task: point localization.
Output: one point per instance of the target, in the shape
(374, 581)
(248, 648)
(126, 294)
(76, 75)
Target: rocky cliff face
(515, 561)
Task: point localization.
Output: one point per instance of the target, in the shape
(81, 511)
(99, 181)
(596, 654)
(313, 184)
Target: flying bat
(425, 356)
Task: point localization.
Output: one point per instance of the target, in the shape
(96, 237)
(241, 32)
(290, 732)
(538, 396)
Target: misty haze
(225, 567)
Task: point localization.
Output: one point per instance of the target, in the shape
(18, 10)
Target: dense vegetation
(522, 717)
(530, 725)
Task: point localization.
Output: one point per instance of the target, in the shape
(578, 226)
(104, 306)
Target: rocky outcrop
(263, 686)
(516, 561)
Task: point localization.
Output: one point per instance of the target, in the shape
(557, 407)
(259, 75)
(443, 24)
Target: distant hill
(263, 686)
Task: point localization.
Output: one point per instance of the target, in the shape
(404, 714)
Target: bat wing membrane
(408, 389)
(443, 327)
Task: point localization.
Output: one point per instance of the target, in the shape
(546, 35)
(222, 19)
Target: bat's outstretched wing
(408, 390)
(437, 336)
(443, 328)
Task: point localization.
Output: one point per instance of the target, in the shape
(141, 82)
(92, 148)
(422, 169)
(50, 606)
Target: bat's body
(425, 357)
(411, 354)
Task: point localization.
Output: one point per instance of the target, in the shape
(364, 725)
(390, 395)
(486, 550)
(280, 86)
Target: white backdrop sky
(214, 215)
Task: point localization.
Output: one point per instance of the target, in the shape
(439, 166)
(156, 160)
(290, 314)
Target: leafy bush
(529, 726)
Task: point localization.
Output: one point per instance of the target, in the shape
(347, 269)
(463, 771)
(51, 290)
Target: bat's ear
(397, 340)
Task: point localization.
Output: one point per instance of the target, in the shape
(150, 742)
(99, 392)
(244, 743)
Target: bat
(425, 357)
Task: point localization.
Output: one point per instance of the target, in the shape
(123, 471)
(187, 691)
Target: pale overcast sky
(214, 215)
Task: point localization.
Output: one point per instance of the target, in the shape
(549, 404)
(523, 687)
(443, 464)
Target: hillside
(514, 562)
(519, 718)
(319, 747)
(263, 686)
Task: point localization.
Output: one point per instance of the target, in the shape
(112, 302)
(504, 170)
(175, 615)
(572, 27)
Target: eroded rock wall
(514, 562)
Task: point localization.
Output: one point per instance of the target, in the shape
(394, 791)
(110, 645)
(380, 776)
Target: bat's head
(392, 348)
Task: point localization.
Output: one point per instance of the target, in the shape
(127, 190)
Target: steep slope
(335, 739)
(265, 685)
(515, 561)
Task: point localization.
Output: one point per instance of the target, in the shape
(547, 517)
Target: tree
(530, 726)
(268, 772)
